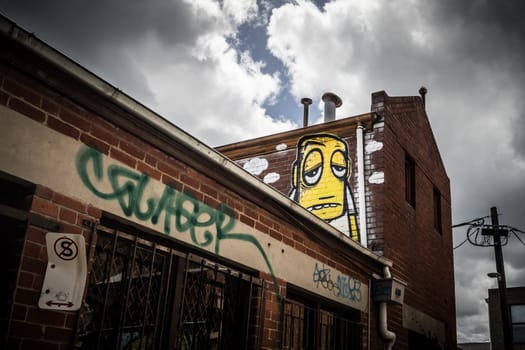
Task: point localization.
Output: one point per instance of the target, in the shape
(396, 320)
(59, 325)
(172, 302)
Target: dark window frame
(410, 180)
(514, 324)
(438, 224)
(313, 323)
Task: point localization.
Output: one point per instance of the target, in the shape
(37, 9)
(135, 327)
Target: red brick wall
(421, 255)
(31, 327)
(374, 193)
(55, 330)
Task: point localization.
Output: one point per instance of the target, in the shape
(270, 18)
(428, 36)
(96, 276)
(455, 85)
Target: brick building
(516, 302)
(124, 232)
(397, 200)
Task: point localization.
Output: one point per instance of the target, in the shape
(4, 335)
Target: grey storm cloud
(98, 34)
(88, 25)
(491, 34)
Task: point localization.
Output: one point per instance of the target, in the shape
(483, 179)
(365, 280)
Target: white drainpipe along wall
(361, 185)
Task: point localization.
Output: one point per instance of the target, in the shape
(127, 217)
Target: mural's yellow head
(320, 175)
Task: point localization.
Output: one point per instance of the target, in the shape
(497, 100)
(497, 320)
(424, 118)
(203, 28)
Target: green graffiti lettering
(165, 205)
(204, 224)
(125, 183)
(83, 160)
(128, 188)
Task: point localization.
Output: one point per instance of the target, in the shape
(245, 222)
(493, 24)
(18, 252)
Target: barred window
(146, 295)
(307, 326)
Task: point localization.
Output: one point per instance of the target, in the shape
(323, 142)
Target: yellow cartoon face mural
(320, 181)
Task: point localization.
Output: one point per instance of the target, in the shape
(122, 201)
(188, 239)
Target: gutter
(269, 195)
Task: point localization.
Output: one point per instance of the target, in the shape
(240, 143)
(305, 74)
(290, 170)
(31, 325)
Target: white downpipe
(361, 185)
(388, 336)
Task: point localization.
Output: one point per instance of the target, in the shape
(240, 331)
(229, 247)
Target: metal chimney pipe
(306, 102)
(423, 91)
(331, 102)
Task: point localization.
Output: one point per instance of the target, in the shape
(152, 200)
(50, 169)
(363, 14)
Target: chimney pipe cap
(306, 101)
(330, 96)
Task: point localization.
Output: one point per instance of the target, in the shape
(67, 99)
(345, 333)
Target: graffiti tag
(207, 227)
(342, 286)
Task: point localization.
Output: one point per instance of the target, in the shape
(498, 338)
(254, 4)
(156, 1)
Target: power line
(477, 224)
(459, 245)
(470, 222)
(494, 235)
(519, 239)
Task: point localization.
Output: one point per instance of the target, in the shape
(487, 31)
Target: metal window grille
(220, 309)
(144, 295)
(305, 327)
(127, 294)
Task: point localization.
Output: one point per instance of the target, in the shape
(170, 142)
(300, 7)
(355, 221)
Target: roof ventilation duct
(423, 91)
(306, 102)
(331, 102)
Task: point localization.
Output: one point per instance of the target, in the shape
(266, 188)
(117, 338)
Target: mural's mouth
(323, 206)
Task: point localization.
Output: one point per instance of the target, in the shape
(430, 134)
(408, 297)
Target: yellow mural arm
(353, 228)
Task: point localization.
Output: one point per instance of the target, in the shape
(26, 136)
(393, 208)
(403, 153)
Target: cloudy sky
(230, 70)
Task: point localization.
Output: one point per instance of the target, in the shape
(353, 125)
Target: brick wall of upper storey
(272, 159)
(422, 255)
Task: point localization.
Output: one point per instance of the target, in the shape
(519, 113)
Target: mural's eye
(312, 167)
(311, 177)
(339, 171)
(338, 164)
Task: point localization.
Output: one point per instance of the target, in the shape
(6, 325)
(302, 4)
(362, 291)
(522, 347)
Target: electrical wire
(515, 235)
(476, 222)
(469, 234)
(459, 245)
(469, 222)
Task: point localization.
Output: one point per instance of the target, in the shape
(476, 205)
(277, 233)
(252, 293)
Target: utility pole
(496, 233)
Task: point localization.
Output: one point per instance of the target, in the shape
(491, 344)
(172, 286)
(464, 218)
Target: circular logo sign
(65, 248)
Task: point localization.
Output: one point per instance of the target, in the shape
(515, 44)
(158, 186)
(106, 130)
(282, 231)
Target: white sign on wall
(66, 272)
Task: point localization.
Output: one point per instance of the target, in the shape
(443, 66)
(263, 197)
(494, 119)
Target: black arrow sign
(68, 304)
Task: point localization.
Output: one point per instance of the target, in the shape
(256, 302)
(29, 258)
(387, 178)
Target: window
(437, 210)
(14, 205)
(144, 294)
(417, 341)
(127, 294)
(308, 325)
(410, 181)
(517, 313)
